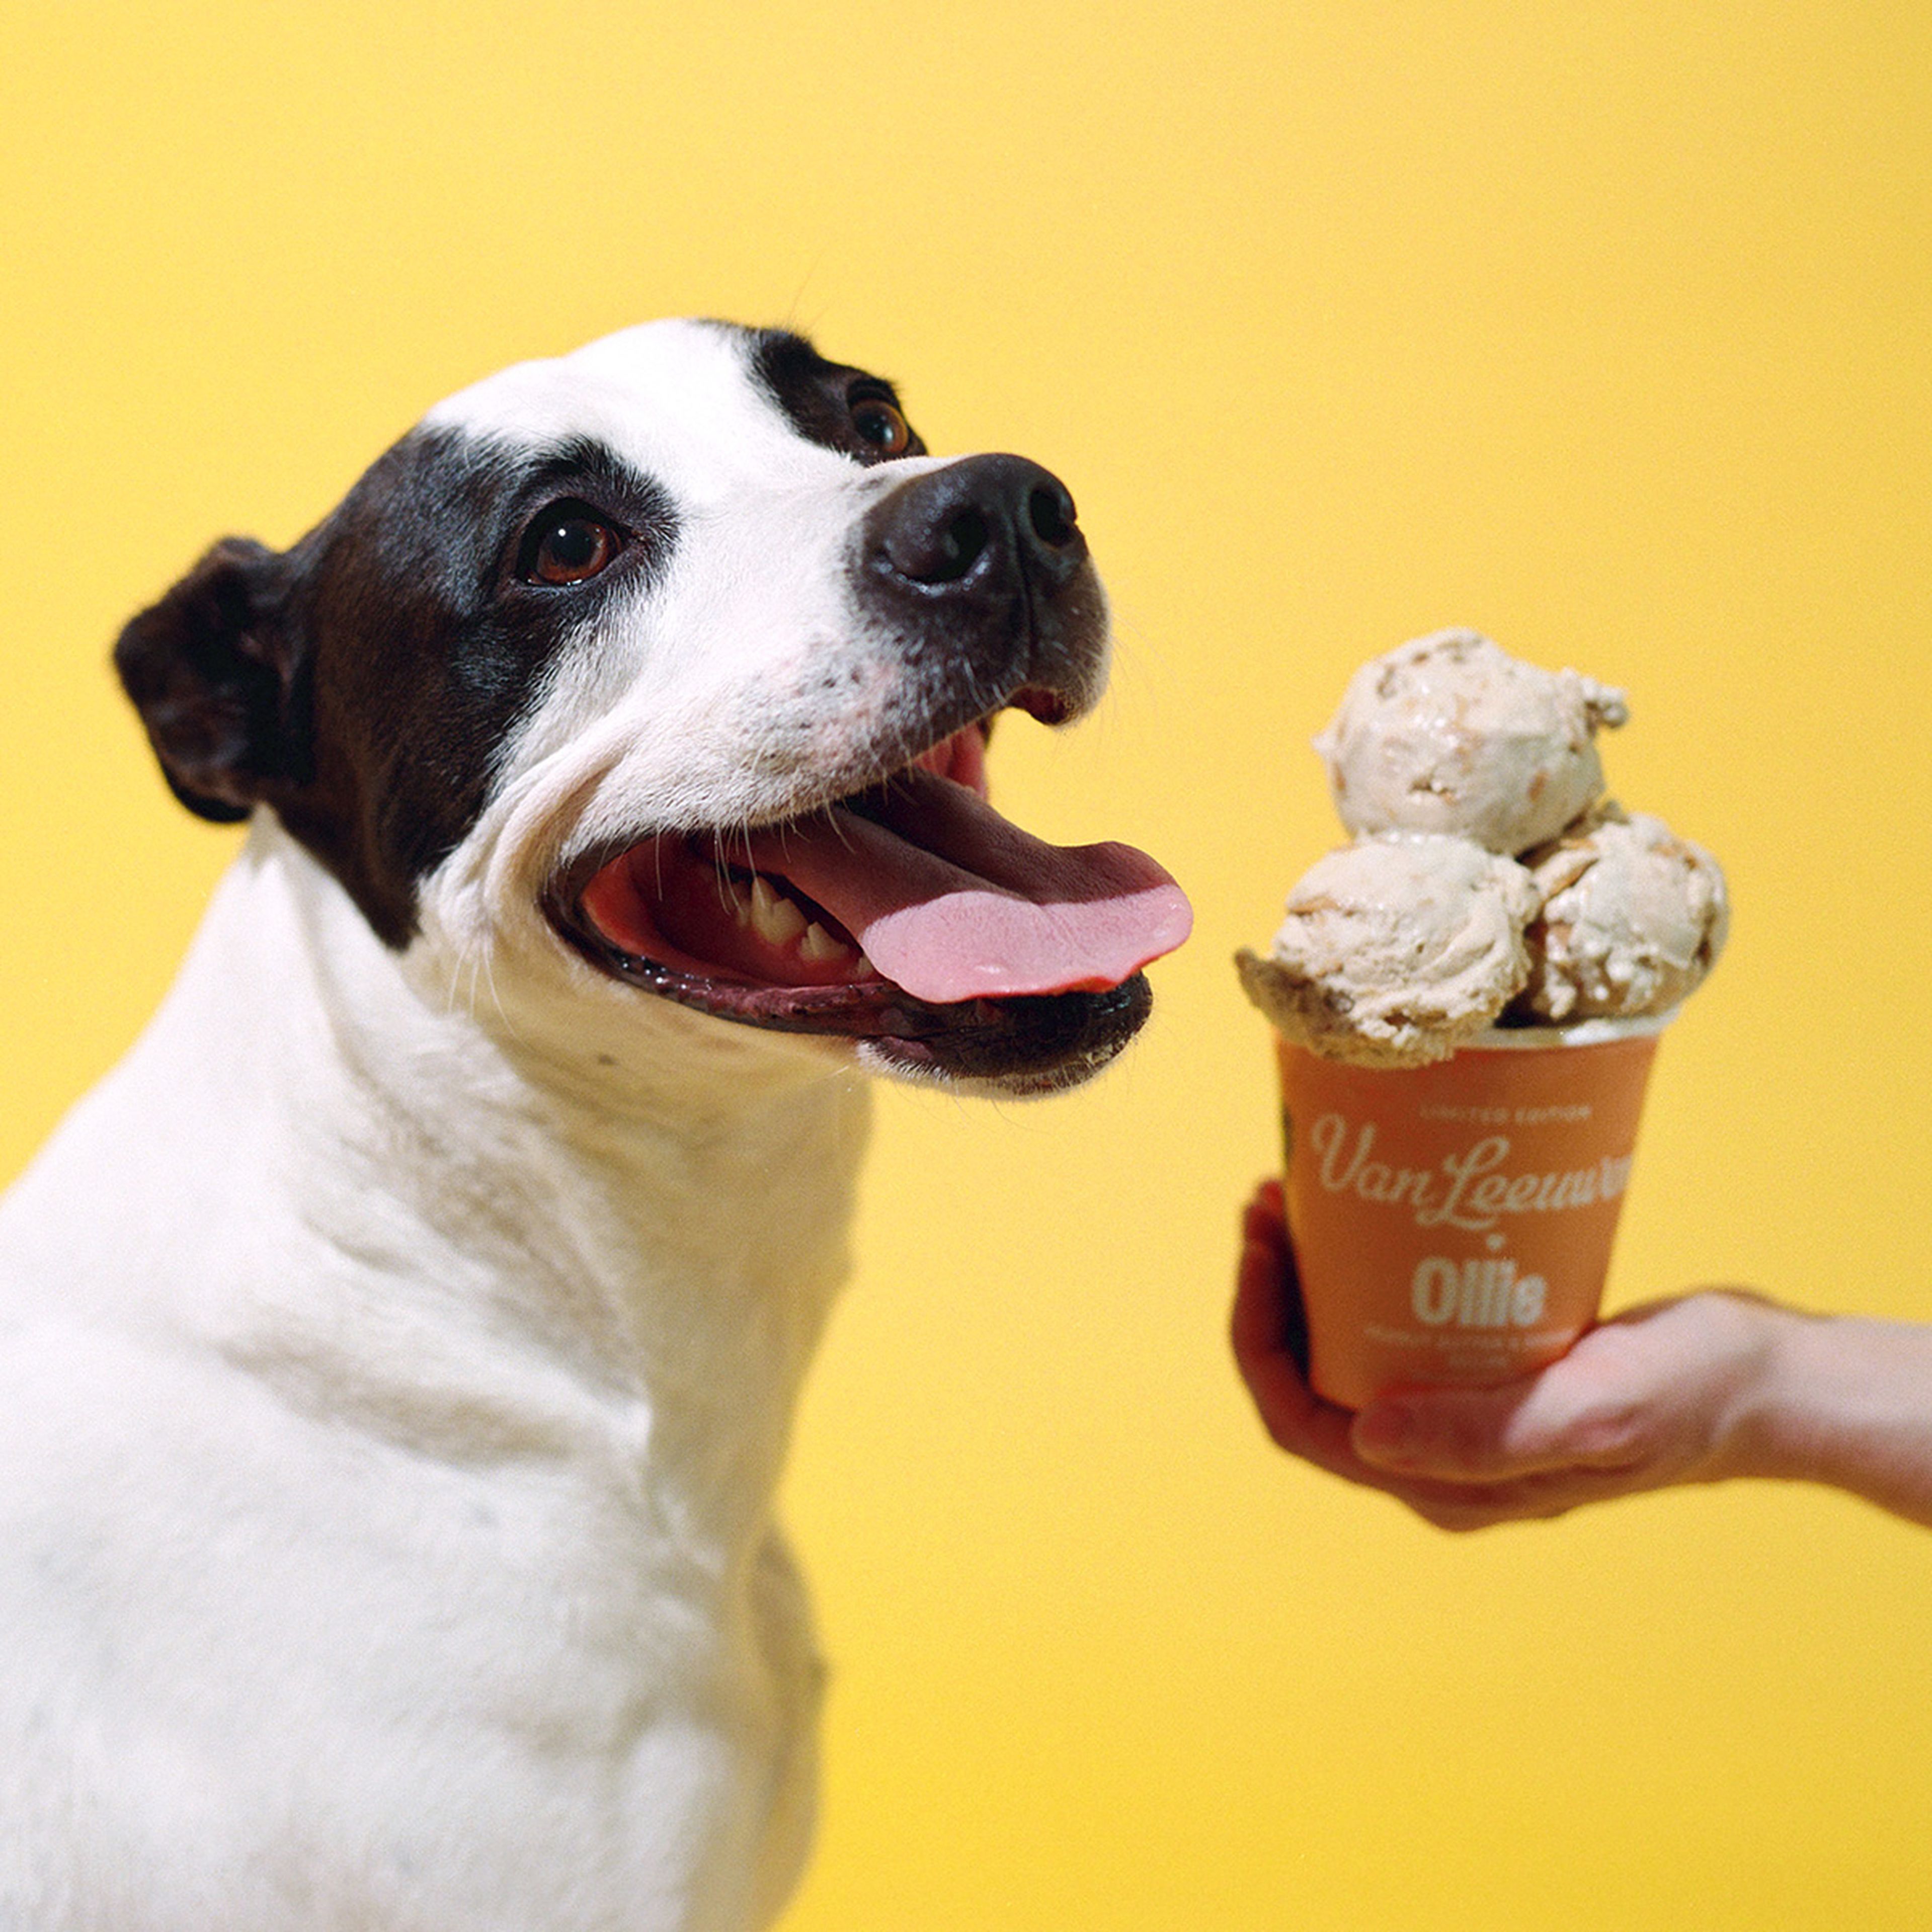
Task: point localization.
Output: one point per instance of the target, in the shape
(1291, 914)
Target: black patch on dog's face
(830, 404)
(430, 646)
(365, 683)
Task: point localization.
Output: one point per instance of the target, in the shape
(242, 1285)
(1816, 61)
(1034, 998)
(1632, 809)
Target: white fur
(482, 1385)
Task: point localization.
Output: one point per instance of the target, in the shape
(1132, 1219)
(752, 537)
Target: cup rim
(1544, 1038)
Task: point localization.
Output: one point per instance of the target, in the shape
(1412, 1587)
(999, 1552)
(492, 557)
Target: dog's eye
(568, 544)
(880, 425)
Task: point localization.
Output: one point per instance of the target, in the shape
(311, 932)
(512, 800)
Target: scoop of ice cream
(1396, 950)
(1449, 734)
(1632, 919)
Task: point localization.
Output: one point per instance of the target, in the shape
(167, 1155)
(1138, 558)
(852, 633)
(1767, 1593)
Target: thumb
(1544, 1422)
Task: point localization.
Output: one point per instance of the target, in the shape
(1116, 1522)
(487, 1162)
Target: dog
(398, 1350)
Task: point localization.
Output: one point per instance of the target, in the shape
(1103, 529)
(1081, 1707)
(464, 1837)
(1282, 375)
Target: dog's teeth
(861, 968)
(774, 918)
(734, 901)
(820, 947)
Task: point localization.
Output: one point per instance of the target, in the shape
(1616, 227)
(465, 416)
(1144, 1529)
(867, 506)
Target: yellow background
(1602, 327)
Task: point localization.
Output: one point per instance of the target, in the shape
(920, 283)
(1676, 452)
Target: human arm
(1719, 1384)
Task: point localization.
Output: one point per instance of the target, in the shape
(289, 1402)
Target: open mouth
(910, 915)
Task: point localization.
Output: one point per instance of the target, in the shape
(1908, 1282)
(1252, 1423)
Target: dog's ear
(215, 670)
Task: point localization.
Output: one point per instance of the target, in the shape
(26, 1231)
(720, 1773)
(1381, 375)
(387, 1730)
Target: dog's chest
(507, 1685)
(387, 1493)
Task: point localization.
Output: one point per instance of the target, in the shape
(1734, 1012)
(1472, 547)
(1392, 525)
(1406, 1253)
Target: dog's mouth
(909, 916)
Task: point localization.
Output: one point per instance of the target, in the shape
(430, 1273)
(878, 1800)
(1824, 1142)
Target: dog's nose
(981, 572)
(975, 520)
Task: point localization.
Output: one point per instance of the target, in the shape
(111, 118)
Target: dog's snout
(980, 517)
(980, 569)
(982, 572)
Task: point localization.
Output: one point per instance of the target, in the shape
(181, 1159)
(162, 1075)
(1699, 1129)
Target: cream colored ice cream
(1396, 949)
(1490, 883)
(1631, 918)
(1449, 733)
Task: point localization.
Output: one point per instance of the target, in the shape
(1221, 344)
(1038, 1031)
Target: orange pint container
(1452, 1223)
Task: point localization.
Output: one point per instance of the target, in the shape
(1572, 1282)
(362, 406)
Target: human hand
(1661, 1394)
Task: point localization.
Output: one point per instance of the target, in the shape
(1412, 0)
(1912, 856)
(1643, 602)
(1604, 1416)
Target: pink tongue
(953, 902)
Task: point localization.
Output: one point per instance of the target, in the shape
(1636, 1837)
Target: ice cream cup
(1452, 1223)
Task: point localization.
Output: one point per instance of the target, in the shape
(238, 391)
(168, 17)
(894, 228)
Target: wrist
(1846, 1400)
(1775, 1427)
(1744, 1344)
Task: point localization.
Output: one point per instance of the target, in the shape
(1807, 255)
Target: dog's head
(663, 673)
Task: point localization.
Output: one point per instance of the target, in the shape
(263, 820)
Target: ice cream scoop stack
(1490, 881)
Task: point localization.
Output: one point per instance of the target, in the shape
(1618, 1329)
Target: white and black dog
(397, 1351)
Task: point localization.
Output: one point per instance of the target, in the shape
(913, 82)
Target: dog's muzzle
(905, 914)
